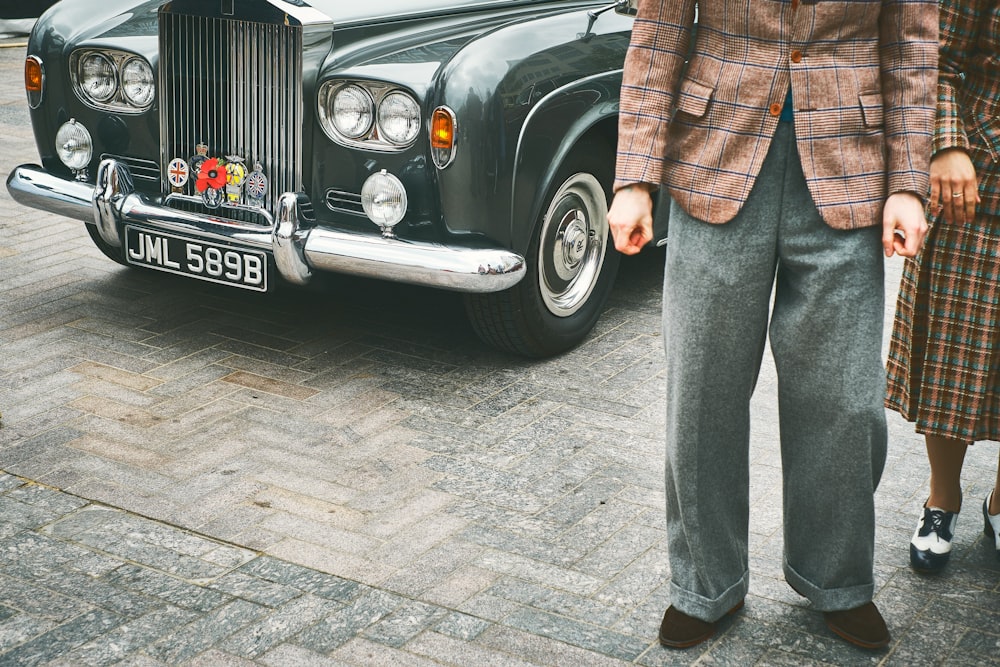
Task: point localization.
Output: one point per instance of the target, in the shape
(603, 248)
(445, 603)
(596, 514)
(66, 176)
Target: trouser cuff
(709, 610)
(829, 599)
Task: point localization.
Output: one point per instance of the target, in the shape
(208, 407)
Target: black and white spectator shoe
(991, 525)
(930, 547)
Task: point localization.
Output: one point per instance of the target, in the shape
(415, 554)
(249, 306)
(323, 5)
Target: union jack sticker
(177, 172)
(256, 186)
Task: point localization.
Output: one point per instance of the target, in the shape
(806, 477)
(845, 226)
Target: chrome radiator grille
(236, 87)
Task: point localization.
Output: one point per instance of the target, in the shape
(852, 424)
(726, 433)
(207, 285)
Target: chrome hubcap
(573, 244)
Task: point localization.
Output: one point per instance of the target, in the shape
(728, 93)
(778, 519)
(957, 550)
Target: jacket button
(775, 109)
(796, 56)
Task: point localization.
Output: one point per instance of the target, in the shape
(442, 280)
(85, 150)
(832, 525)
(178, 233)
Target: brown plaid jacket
(863, 76)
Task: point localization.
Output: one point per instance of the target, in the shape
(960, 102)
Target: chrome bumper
(297, 248)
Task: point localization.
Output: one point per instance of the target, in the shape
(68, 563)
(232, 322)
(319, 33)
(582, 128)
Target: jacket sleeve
(909, 58)
(653, 65)
(959, 26)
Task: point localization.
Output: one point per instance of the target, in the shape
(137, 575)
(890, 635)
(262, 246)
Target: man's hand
(954, 190)
(903, 224)
(631, 218)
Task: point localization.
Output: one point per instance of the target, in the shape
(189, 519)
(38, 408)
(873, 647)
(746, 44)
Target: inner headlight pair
(372, 114)
(114, 80)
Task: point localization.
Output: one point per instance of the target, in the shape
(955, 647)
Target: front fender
(494, 85)
(556, 125)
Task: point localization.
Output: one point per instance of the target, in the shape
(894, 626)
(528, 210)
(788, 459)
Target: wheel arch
(583, 111)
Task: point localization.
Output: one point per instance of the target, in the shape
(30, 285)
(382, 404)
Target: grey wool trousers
(825, 329)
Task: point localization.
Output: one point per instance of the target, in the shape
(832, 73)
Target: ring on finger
(956, 194)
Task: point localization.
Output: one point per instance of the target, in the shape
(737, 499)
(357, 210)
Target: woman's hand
(954, 190)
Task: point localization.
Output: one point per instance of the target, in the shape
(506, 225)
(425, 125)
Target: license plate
(216, 263)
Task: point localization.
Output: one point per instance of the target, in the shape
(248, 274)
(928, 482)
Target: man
(794, 139)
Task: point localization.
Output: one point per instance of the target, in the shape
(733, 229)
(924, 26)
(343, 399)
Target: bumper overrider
(296, 244)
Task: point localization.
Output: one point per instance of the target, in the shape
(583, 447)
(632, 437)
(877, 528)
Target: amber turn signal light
(34, 80)
(443, 136)
(442, 129)
(32, 75)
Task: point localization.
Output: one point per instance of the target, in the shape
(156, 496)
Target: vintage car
(465, 145)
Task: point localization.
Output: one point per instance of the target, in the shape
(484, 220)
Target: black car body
(462, 145)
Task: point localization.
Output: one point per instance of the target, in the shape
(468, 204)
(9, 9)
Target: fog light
(383, 198)
(74, 147)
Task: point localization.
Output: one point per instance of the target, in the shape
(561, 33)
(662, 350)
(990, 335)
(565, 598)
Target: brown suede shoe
(862, 626)
(678, 630)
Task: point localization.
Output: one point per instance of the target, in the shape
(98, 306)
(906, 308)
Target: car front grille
(145, 173)
(235, 86)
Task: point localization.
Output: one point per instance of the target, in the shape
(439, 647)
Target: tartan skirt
(943, 369)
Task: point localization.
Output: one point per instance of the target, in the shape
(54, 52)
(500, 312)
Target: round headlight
(399, 118)
(384, 200)
(74, 145)
(353, 111)
(137, 82)
(98, 77)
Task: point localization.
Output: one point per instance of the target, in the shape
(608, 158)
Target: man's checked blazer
(863, 76)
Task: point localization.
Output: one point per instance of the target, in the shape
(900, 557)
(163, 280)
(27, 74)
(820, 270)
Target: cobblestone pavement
(348, 477)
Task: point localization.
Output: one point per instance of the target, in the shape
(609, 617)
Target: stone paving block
(328, 559)
(303, 579)
(19, 628)
(337, 629)
(96, 592)
(573, 506)
(128, 638)
(179, 386)
(92, 523)
(277, 627)
(321, 534)
(9, 482)
(575, 633)
(269, 385)
(291, 501)
(23, 515)
(63, 638)
(217, 658)
(419, 536)
(457, 587)
(120, 452)
(167, 588)
(431, 567)
(363, 652)
(255, 589)
(33, 599)
(984, 642)
(29, 556)
(404, 623)
(542, 650)
(461, 626)
(289, 655)
(538, 572)
(454, 651)
(497, 518)
(206, 631)
(490, 607)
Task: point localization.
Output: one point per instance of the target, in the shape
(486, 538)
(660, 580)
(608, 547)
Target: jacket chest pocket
(693, 98)
(871, 109)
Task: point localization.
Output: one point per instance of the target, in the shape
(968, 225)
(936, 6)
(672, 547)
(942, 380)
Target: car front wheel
(571, 267)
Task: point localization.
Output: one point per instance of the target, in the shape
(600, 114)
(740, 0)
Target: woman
(944, 359)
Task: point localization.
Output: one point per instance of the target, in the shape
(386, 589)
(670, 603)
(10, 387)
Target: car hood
(87, 20)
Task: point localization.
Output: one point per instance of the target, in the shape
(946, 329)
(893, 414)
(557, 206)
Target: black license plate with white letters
(216, 263)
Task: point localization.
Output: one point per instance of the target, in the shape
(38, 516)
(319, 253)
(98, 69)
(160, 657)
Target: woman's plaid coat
(944, 356)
